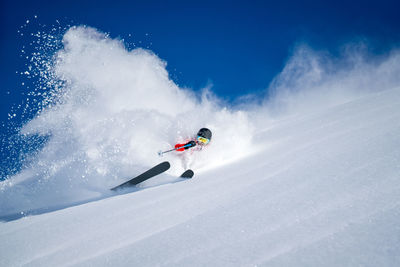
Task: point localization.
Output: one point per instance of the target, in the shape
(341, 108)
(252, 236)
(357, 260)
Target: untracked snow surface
(315, 187)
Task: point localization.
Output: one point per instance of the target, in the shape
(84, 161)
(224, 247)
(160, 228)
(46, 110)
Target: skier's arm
(182, 147)
(190, 144)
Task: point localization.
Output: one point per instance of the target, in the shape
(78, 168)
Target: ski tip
(166, 164)
(187, 174)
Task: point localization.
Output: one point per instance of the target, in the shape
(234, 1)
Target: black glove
(190, 144)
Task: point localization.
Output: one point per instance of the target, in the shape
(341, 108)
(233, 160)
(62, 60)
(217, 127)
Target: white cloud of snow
(115, 111)
(117, 108)
(316, 79)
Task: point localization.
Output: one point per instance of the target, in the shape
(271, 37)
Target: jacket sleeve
(190, 144)
(182, 147)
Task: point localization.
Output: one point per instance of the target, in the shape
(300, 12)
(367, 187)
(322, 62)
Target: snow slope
(324, 191)
(307, 177)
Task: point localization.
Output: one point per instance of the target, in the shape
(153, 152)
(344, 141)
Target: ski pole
(160, 153)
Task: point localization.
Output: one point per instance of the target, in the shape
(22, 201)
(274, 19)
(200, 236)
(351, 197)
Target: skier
(203, 138)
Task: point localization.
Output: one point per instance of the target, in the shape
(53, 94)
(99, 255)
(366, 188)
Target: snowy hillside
(316, 183)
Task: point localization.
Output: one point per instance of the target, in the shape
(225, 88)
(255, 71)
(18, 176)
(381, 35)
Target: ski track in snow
(324, 191)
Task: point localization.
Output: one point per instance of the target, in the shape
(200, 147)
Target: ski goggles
(202, 140)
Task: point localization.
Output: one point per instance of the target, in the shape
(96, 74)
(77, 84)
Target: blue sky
(238, 46)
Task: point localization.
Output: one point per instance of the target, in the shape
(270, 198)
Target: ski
(156, 170)
(187, 174)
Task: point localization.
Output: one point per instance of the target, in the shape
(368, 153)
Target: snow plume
(111, 109)
(313, 79)
(115, 109)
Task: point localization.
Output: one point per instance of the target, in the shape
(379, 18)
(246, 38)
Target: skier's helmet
(204, 136)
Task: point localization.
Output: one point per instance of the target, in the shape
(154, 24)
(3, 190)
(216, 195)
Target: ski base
(156, 170)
